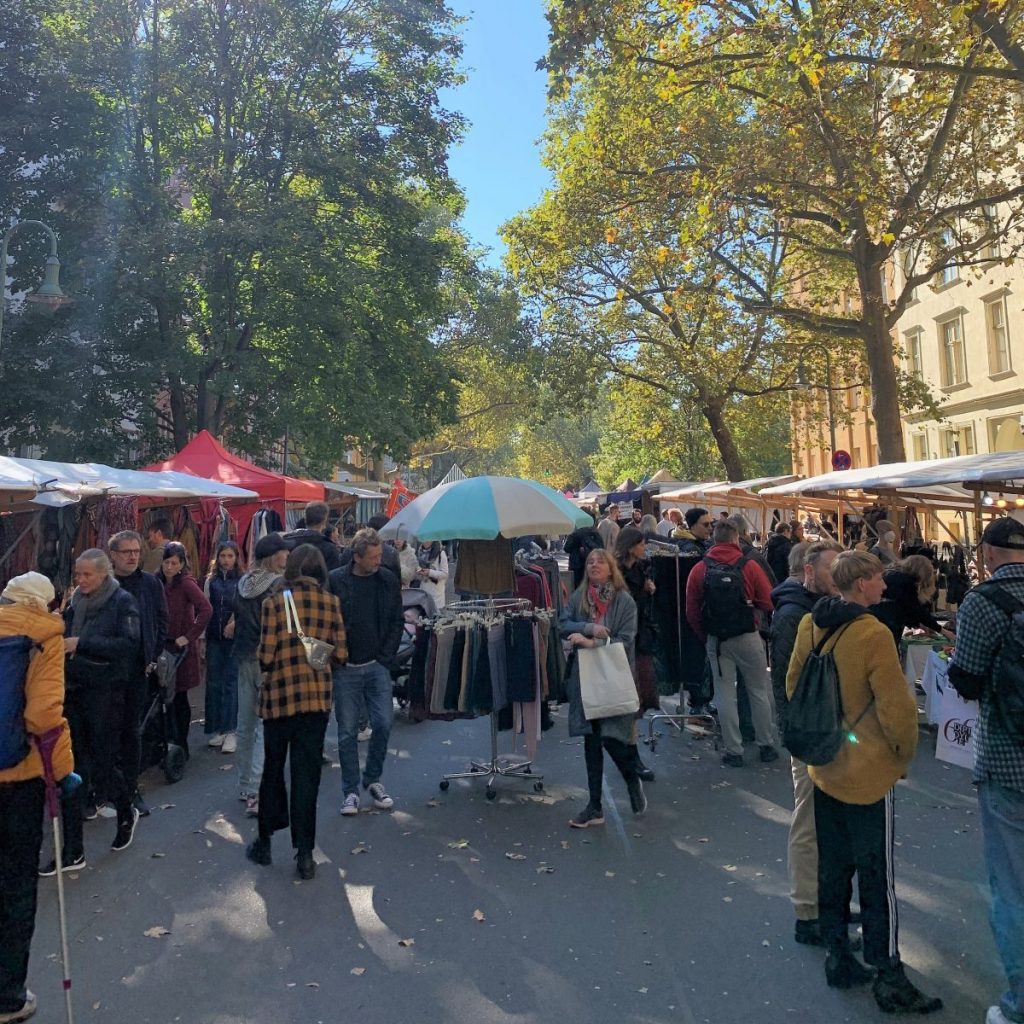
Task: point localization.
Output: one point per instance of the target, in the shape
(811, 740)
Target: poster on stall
(958, 718)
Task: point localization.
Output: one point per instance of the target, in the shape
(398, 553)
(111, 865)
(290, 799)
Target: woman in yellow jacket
(853, 794)
(23, 612)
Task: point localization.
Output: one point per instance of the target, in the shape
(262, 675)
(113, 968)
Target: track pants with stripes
(857, 839)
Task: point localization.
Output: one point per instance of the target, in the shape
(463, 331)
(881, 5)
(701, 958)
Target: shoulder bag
(606, 682)
(318, 652)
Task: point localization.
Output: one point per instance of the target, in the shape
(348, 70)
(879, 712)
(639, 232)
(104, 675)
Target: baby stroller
(416, 605)
(156, 732)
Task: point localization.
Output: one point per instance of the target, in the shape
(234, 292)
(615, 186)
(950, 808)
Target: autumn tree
(793, 118)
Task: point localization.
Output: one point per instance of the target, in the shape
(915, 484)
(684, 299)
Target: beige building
(964, 335)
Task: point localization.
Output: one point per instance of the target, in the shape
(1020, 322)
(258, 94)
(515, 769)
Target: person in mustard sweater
(853, 794)
(23, 612)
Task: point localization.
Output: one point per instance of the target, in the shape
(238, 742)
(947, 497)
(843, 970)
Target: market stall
(275, 494)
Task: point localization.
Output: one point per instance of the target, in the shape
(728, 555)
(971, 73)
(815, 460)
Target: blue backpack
(14, 657)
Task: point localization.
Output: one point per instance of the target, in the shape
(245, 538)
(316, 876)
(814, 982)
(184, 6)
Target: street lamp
(802, 381)
(49, 293)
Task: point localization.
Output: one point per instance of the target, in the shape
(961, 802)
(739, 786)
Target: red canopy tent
(203, 456)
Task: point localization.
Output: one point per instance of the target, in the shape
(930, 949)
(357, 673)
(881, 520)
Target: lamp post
(801, 379)
(49, 292)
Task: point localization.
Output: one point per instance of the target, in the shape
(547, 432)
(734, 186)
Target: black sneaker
(896, 993)
(258, 851)
(67, 864)
(140, 805)
(808, 933)
(646, 774)
(305, 866)
(844, 970)
(590, 815)
(125, 831)
(637, 796)
(769, 754)
(732, 760)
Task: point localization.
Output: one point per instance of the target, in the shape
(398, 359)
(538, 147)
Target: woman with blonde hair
(600, 611)
(909, 589)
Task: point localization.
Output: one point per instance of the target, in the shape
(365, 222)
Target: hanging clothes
(484, 567)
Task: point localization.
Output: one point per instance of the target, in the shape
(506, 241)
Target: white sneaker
(381, 800)
(230, 744)
(995, 1015)
(351, 805)
(106, 811)
(215, 740)
(27, 1010)
(363, 735)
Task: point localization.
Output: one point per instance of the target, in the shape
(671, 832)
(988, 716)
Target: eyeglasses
(126, 551)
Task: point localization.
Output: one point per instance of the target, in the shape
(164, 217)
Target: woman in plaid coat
(295, 701)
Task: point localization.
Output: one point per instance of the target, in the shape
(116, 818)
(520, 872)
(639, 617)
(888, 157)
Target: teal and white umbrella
(482, 507)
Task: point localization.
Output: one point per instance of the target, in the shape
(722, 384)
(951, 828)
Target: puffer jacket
(792, 602)
(44, 688)
(871, 678)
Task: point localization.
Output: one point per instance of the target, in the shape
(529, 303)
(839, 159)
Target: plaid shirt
(291, 686)
(980, 627)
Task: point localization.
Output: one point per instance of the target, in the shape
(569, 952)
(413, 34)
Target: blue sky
(498, 163)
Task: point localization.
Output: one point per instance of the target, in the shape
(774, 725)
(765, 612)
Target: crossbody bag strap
(292, 615)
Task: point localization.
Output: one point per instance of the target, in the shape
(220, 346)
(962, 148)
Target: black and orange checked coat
(291, 686)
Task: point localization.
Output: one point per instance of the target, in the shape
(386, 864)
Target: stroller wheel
(174, 763)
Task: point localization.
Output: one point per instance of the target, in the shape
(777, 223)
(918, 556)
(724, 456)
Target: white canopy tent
(41, 482)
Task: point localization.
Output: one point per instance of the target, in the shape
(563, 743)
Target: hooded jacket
(688, 543)
(869, 670)
(757, 589)
(253, 589)
(44, 688)
(776, 554)
(792, 602)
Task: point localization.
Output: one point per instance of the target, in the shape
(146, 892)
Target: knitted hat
(31, 588)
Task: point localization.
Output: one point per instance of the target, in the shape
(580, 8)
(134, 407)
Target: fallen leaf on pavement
(609, 874)
(407, 942)
(96, 1006)
(727, 899)
(360, 849)
(703, 840)
(478, 915)
(167, 807)
(358, 971)
(565, 844)
(312, 984)
(458, 844)
(157, 932)
(157, 856)
(516, 856)
(545, 870)
(226, 767)
(729, 867)
(433, 803)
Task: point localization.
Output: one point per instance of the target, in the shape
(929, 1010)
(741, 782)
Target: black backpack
(725, 611)
(1008, 670)
(15, 652)
(814, 728)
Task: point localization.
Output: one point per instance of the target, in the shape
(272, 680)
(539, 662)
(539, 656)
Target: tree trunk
(885, 398)
(997, 33)
(179, 416)
(723, 438)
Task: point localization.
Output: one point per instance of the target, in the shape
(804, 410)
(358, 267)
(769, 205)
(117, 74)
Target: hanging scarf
(600, 598)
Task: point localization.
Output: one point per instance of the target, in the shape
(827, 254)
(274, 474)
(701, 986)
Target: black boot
(305, 866)
(258, 851)
(844, 970)
(896, 993)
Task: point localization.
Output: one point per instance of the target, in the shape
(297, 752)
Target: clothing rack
(493, 768)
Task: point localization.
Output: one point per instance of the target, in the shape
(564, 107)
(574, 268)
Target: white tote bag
(606, 682)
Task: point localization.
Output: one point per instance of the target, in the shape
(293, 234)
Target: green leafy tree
(790, 119)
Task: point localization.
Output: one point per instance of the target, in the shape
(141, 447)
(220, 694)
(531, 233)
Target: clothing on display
(484, 567)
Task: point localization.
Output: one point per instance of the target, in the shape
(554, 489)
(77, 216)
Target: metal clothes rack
(495, 767)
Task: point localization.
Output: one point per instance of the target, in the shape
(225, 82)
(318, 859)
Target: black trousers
(857, 839)
(21, 836)
(623, 754)
(299, 740)
(127, 716)
(182, 719)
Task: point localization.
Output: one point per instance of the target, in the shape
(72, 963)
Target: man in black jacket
(313, 533)
(776, 551)
(810, 578)
(126, 554)
(101, 644)
(371, 605)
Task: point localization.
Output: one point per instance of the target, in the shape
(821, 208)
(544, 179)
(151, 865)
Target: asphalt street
(453, 908)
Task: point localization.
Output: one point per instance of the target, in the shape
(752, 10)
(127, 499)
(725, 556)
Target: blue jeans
(221, 687)
(352, 686)
(249, 754)
(1002, 825)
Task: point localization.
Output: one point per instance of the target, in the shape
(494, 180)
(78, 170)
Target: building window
(952, 356)
(998, 336)
(958, 441)
(992, 249)
(921, 447)
(915, 361)
(950, 272)
(1004, 434)
(908, 263)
